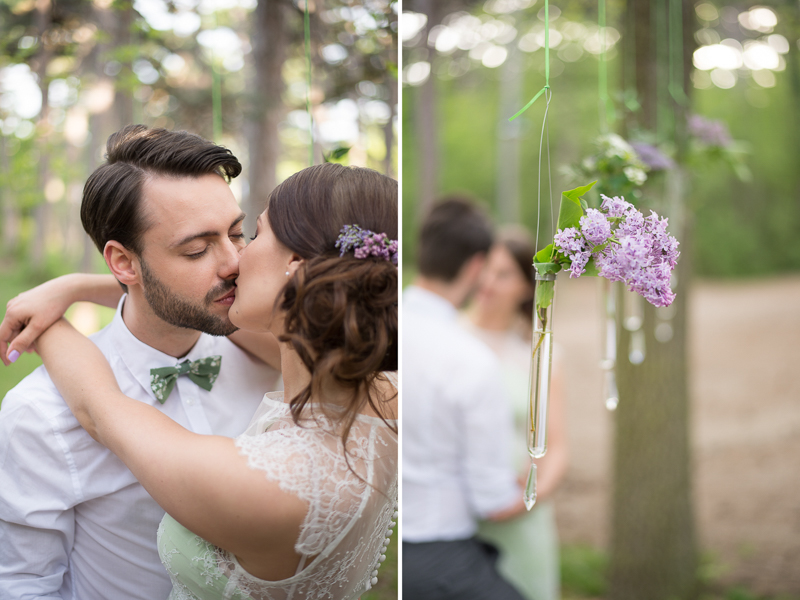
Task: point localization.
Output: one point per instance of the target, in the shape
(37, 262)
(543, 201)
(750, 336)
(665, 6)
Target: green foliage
(335, 155)
(583, 571)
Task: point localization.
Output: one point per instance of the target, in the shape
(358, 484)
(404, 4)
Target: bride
(301, 505)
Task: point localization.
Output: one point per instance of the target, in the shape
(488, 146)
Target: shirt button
(190, 401)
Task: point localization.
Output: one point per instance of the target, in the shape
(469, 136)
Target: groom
(74, 522)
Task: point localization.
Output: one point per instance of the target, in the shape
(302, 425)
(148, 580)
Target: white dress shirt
(456, 425)
(74, 522)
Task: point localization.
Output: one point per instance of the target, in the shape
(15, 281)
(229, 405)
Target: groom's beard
(180, 312)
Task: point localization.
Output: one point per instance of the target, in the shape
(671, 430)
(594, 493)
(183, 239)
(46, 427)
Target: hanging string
(545, 134)
(307, 28)
(602, 76)
(676, 89)
(546, 61)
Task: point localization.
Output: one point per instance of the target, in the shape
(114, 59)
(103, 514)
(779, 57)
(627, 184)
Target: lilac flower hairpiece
(364, 243)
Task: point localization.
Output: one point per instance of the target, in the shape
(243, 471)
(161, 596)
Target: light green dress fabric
(528, 544)
(201, 565)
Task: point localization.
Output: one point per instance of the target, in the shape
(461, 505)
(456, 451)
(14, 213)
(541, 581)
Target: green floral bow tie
(203, 372)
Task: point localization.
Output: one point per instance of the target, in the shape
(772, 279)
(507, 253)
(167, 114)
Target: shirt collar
(140, 358)
(424, 301)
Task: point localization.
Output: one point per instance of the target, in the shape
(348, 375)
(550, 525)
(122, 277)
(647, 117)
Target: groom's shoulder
(37, 393)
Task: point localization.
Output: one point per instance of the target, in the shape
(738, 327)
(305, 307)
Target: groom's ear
(122, 262)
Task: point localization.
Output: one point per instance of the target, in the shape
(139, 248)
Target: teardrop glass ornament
(529, 497)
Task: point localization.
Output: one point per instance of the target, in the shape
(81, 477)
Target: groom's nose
(229, 261)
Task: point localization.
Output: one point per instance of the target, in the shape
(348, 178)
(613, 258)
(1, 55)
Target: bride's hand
(32, 312)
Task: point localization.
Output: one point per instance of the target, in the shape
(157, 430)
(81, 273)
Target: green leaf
(544, 255)
(591, 268)
(335, 154)
(547, 267)
(545, 290)
(571, 209)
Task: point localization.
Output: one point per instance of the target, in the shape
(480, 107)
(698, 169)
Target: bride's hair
(340, 312)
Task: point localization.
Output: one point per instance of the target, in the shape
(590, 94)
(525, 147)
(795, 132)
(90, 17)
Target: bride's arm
(33, 311)
(200, 480)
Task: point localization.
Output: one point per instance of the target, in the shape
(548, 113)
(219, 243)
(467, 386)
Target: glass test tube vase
(540, 377)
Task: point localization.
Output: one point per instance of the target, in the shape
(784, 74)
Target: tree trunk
(270, 39)
(427, 124)
(653, 546)
(388, 129)
(42, 211)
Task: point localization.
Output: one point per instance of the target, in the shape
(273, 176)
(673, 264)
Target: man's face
(190, 255)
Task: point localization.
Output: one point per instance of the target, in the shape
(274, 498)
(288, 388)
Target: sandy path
(745, 386)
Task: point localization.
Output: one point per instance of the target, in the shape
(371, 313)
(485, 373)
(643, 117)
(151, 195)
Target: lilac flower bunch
(364, 243)
(709, 132)
(624, 246)
(653, 157)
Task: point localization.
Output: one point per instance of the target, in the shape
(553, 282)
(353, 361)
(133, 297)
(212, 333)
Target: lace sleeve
(309, 463)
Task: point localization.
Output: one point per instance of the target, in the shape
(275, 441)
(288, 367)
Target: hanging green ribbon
(307, 28)
(546, 61)
(676, 88)
(606, 109)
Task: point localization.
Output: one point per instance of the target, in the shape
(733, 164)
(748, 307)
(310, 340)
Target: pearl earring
(287, 273)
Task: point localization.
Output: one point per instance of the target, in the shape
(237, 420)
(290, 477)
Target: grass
(584, 572)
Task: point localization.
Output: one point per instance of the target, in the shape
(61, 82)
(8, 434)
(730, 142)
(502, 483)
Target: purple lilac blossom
(595, 227)
(574, 245)
(653, 157)
(713, 133)
(641, 253)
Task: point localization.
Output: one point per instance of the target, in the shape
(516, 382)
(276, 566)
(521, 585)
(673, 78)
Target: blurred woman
(500, 315)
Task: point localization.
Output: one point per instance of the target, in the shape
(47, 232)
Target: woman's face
(263, 269)
(502, 287)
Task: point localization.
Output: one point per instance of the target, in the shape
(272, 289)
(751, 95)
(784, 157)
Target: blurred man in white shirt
(457, 425)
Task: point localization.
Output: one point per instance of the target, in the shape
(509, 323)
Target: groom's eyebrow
(209, 233)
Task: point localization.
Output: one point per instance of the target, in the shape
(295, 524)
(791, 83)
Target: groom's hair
(112, 195)
(456, 229)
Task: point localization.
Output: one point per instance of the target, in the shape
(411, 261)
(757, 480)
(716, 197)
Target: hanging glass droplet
(530, 488)
(610, 390)
(609, 331)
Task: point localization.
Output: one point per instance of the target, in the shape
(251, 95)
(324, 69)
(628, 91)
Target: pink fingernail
(13, 356)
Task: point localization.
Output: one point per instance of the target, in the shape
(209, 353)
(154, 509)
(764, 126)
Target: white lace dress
(345, 533)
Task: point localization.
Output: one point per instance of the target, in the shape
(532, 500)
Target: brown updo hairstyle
(519, 244)
(340, 312)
